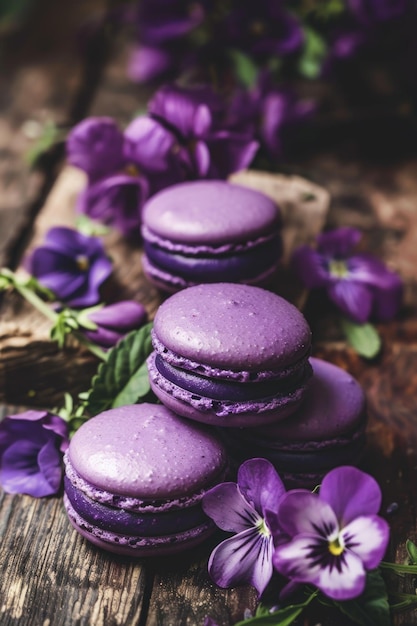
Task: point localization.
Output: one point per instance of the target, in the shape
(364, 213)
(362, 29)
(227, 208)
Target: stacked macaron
(327, 430)
(135, 478)
(229, 354)
(209, 231)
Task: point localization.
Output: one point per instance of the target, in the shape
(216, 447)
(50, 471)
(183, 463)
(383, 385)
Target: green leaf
(314, 51)
(49, 136)
(123, 378)
(281, 617)
(412, 551)
(245, 69)
(89, 227)
(363, 337)
(372, 607)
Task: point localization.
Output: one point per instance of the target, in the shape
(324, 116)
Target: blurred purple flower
(263, 28)
(247, 509)
(360, 285)
(31, 450)
(146, 63)
(114, 321)
(370, 11)
(336, 535)
(115, 200)
(269, 114)
(72, 265)
(162, 26)
(206, 148)
(95, 145)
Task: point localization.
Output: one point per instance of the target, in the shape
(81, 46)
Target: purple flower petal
(307, 559)
(338, 243)
(122, 315)
(244, 558)
(260, 484)
(149, 144)
(20, 473)
(301, 511)
(353, 299)
(201, 158)
(367, 536)
(310, 267)
(116, 201)
(96, 146)
(228, 508)
(189, 111)
(230, 152)
(351, 493)
(148, 62)
(50, 465)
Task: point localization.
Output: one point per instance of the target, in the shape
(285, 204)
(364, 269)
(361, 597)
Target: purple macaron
(327, 430)
(209, 231)
(230, 355)
(135, 477)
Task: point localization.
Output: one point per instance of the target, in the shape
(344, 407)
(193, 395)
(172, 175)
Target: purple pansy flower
(360, 285)
(114, 321)
(336, 535)
(31, 449)
(72, 265)
(247, 509)
(206, 148)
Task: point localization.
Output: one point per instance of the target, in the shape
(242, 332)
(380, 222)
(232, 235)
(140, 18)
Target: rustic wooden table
(50, 575)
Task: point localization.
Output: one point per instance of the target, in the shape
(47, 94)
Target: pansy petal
(353, 299)
(230, 152)
(367, 536)
(307, 559)
(50, 465)
(19, 471)
(244, 558)
(351, 493)
(149, 144)
(344, 580)
(201, 158)
(301, 511)
(310, 267)
(338, 242)
(260, 484)
(228, 508)
(63, 284)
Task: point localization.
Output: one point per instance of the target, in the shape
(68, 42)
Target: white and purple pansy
(245, 509)
(336, 535)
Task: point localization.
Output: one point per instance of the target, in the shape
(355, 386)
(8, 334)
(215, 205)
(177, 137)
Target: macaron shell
(145, 451)
(232, 415)
(213, 212)
(138, 546)
(233, 326)
(334, 404)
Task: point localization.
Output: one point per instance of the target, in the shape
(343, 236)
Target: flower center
(132, 170)
(82, 262)
(338, 268)
(336, 546)
(262, 528)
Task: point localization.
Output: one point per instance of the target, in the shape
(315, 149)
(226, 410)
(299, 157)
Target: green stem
(46, 310)
(98, 352)
(36, 301)
(399, 568)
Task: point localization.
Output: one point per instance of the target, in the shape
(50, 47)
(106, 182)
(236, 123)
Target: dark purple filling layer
(312, 461)
(229, 390)
(235, 266)
(130, 523)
